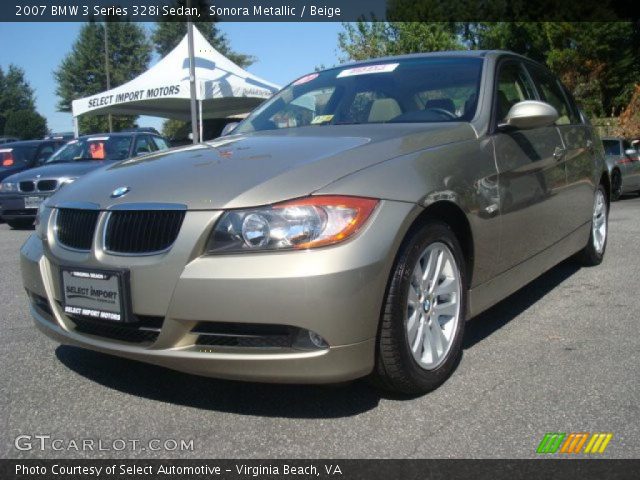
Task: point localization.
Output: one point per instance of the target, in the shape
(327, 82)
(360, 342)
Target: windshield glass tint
(611, 147)
(11, 157)
(93, 149)
(413, 90)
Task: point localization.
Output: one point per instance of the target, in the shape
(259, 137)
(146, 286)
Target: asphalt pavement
(560, 355)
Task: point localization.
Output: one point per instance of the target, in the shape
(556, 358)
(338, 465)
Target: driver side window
(513, 86)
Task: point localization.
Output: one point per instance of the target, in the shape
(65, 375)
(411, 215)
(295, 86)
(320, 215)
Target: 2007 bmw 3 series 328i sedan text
(347, 228)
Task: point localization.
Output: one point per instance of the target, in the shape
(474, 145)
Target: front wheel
(422, 324)
(593, 253)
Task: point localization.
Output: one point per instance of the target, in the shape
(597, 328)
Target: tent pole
(200, 119)
(192, 80)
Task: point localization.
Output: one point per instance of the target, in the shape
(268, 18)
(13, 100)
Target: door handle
(558, 153)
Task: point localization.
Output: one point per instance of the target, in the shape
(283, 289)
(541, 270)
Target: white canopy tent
(223, 89)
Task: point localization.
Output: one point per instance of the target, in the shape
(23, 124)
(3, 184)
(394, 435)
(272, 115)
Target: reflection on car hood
(259, 168)
(58, 170)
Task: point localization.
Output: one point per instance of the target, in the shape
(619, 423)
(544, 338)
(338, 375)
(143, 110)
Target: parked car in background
(4, 140)
(21, 194)
(623, 162)
(18, 156)
(343, 229)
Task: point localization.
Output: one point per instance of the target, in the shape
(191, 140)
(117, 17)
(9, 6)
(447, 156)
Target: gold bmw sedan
(347, 228)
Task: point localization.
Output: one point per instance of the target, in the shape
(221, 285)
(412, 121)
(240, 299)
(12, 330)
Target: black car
(18, 156)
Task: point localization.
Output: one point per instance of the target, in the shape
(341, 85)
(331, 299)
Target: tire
(616, 185)
(593, 253)
(398, 367)
(20, 224)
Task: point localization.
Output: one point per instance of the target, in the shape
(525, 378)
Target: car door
(578, 145)
(531, 173)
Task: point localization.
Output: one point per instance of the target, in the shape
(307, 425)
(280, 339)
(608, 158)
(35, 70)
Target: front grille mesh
(75, 228)
(142, 231)
(144, 330)
(216, 334)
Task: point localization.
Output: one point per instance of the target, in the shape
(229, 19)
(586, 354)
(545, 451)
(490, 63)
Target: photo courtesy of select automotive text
(334, 239)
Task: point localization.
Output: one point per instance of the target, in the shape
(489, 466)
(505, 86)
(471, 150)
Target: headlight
(67, 181)
(297, 224)
(7, 187)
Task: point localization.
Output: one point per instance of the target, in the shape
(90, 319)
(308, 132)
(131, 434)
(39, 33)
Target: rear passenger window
(513, 86)
(552, 93)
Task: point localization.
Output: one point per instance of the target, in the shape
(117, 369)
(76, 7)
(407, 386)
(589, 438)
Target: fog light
(317, 340)
(308, 340)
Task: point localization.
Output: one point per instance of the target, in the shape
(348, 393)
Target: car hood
(259, 168)
(58, 170)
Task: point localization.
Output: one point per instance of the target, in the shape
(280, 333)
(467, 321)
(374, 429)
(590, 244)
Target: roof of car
(117, 134)
(23, 143)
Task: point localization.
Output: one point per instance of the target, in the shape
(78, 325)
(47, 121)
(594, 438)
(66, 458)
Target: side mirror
(228, 128)
(529, 114)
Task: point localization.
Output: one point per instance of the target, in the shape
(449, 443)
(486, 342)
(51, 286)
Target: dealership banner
(322, 469)
(317, 10)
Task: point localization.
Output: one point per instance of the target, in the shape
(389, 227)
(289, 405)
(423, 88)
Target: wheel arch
(605, 181)
(454, 216)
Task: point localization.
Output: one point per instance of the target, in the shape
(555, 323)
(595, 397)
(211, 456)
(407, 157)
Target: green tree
(364, 40)
(82, 72)
(15, 93)
(25, 124)
(598, 61)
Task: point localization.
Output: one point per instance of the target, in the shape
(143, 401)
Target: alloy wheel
(599, 223)
(433, 306)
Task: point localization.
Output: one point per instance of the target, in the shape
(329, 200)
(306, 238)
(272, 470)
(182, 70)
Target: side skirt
(489, 293)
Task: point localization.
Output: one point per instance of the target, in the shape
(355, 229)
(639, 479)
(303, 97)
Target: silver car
(347, 228)
(623, 161)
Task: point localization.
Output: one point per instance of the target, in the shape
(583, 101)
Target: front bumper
(336, 292)
(12, 206)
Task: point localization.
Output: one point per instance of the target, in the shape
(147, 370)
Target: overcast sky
(284, 51)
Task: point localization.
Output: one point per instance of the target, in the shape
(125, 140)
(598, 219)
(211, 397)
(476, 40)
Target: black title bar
(317, 10)
(547, 469)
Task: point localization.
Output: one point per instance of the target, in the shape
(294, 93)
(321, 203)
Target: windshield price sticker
(384, 68)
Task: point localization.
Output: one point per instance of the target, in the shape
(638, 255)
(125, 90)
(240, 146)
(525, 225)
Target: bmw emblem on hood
(120, 192)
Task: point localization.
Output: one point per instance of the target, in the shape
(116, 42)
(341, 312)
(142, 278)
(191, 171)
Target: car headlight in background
(67, 181)
(297, 224)
(7, 187)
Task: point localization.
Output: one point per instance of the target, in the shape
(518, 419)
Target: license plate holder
(98, 294)
(32, 202)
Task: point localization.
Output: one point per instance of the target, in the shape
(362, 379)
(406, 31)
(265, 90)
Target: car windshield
(96, 148)
(433, 89)
(611, 147)
(19, 156)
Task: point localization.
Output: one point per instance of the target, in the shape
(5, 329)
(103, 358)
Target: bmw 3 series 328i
(348, 227)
